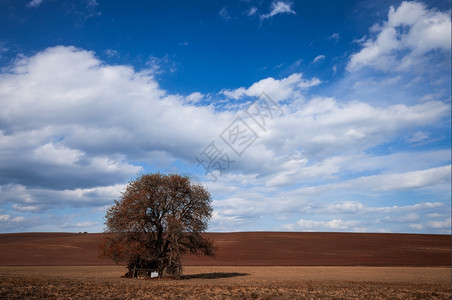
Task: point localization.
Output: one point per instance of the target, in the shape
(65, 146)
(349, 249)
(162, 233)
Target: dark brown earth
(246, 249)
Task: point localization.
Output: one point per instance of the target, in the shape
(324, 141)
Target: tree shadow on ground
(215, 275)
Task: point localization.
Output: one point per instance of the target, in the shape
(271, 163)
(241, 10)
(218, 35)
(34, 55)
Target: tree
(157, 219)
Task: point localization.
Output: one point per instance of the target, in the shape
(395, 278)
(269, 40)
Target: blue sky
(296, 115)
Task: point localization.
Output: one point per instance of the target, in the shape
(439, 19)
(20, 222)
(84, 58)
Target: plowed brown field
(255, 265)
(247, 249)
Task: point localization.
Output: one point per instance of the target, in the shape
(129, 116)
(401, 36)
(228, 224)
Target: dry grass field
(221, 282)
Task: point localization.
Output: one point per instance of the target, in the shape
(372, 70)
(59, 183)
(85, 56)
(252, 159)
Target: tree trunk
(135, 271)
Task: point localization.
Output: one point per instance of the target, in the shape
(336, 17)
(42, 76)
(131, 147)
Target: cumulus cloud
(328, 127)
(71, 127)
(277, 89)
(278, 7)
(411, 32)
(74, 129)
(39, 199)
(77, 105)
(195, 97)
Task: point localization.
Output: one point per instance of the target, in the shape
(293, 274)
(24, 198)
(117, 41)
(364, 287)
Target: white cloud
(334, 68)
(34, 3)
(445, 224)
(194, 97)
(434, 215)
(3, 48)
(335, 36)
(408, 180)
(405, 40)
(71, 96)
(277, 89)
(327, 128)
(86, 224)
(35, 199)
(252, 11)
(86, 123)
(388, 182)
(418, 136)
(222, 223)
(246, 198)
(10, 223)
(318, 58)
(416, 226)
(332, 136)
(20, 207)
(332, 225)
(359, 208)
(56, 154)
(158, 65)
(278, 7)
(224, 13)
(409, 218)
(92, 3)
(347, 207)
(111, 53)
(9, 218)
(90, 126)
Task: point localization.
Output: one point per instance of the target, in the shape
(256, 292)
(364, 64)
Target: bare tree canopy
(157, 219)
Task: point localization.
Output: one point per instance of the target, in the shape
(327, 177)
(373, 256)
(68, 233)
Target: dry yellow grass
(228, 283)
